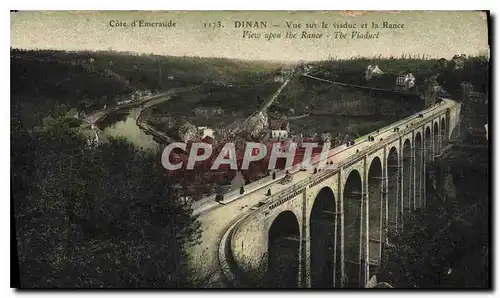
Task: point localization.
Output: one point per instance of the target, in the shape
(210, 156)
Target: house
(279, 134)
(409, 81)
(279, 128)
(208, 140)
(372, 70)
(206, 132)
(405, 81)
(124, 102)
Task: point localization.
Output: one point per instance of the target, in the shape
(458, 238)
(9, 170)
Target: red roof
(208, 140)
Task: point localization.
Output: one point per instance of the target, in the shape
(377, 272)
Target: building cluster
(279, 128)
(136, 95)
(205, 132)
(271, 132)
(208, 111)
(404, 81)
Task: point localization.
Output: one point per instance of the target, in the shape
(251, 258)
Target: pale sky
(438, 33)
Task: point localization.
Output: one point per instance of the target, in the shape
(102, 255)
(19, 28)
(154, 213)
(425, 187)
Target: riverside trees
(98, 217)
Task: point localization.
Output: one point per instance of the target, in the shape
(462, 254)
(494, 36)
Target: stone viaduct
(330, 229)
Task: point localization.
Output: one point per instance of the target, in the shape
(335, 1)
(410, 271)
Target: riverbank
(147, 101)
(131, 123)
(142, 118)
(100, 115)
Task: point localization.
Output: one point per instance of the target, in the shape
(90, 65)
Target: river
(123, 123)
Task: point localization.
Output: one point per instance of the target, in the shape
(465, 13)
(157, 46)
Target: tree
(447, 245)
(98, 217)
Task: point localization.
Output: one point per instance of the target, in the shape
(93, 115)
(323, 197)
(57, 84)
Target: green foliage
(149, 71)
(444, 247)
(62, 83)
(88, 81)
(95, 216)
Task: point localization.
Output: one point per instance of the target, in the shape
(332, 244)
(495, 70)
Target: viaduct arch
(283, 251)
(325, 240)
(353, 195)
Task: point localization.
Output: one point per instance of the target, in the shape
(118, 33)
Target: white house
(206, 131)
(279, 128)
(409, 81)
(124, 101)
(372, 70)
(405, 81)
(279, 134)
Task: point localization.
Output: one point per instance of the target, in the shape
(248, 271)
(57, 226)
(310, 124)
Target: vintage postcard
(250, 149)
